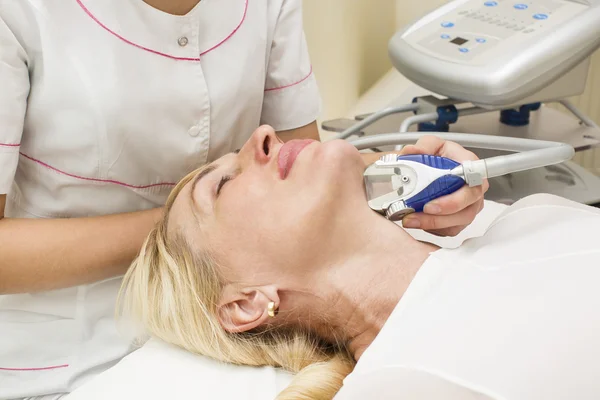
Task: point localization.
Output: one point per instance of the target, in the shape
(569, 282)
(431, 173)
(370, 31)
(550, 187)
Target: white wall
(409, 10)
(589, 103)
(347, 41)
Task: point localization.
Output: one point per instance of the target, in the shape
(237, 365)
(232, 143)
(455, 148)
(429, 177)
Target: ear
(246, 309)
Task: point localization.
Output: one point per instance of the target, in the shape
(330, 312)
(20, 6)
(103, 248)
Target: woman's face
(272, 206)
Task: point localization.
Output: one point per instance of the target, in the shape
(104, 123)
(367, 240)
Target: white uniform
(104, 105)
(512, 315)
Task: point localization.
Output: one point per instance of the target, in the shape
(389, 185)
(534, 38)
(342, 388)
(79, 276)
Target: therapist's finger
(455, 202)
(448, 232)
(433, 145)
(449, 225)
(426, 145)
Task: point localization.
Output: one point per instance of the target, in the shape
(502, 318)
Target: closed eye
(222, 183)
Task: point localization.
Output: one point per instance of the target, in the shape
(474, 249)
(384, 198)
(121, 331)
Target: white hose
(529, 153)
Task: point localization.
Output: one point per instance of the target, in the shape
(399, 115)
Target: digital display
(459, 41)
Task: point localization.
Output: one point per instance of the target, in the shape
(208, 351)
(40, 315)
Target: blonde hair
(173, 291)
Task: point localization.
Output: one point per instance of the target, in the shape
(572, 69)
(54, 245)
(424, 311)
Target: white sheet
(160, 371)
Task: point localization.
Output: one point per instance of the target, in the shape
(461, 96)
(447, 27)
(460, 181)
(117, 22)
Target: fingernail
(412, 223)
(432, 208)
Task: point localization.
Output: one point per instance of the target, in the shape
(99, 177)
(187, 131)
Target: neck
(175, 7)
(350, 299)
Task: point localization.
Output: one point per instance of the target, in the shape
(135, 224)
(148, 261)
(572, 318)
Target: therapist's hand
(448, 215)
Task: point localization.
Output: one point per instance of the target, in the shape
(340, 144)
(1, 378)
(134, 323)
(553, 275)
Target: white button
(194, 131)
(183, 41)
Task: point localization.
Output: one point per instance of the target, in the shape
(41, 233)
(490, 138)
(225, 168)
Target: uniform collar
(209, 25)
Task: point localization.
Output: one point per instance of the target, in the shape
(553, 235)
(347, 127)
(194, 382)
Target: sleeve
(409, 383)
(291, 97)
(14, 89)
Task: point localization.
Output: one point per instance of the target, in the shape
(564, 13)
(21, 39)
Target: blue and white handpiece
(400, 185)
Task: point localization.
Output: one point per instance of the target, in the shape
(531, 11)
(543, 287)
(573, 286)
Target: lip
(288, 154)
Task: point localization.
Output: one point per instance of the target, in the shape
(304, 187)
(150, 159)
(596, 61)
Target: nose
(259, 148)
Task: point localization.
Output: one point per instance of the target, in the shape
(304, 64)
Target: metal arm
(374, 118)
(575, 111)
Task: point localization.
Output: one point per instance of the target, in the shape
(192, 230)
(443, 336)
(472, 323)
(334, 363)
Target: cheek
(244, 220)
(240, 202)
(261, 223)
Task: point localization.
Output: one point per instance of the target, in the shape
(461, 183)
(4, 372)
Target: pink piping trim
(293, 84)
(95, 179)
(10, 144)
(89, 13)
(231, 34)
(34, 369)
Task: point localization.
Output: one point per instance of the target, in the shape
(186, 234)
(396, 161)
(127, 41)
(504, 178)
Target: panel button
(490, 3)
(521, 6)
(444, 36)
(447, 24)
(463, 50)
(540, 17)
(480, 40)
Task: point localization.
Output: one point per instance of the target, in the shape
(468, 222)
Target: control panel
(501, 53)
(477, 28)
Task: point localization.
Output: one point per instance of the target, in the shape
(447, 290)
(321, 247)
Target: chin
(340, 152)
(338, 164)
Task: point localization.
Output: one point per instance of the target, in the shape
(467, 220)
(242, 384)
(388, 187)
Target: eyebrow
(201, 175)
(210, 168)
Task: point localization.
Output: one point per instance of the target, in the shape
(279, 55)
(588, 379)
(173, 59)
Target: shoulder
(536, 227)
(393, 382)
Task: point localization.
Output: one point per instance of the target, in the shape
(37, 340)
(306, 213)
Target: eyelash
(222, 183)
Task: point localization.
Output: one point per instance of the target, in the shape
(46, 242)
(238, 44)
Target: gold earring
(271, 309)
